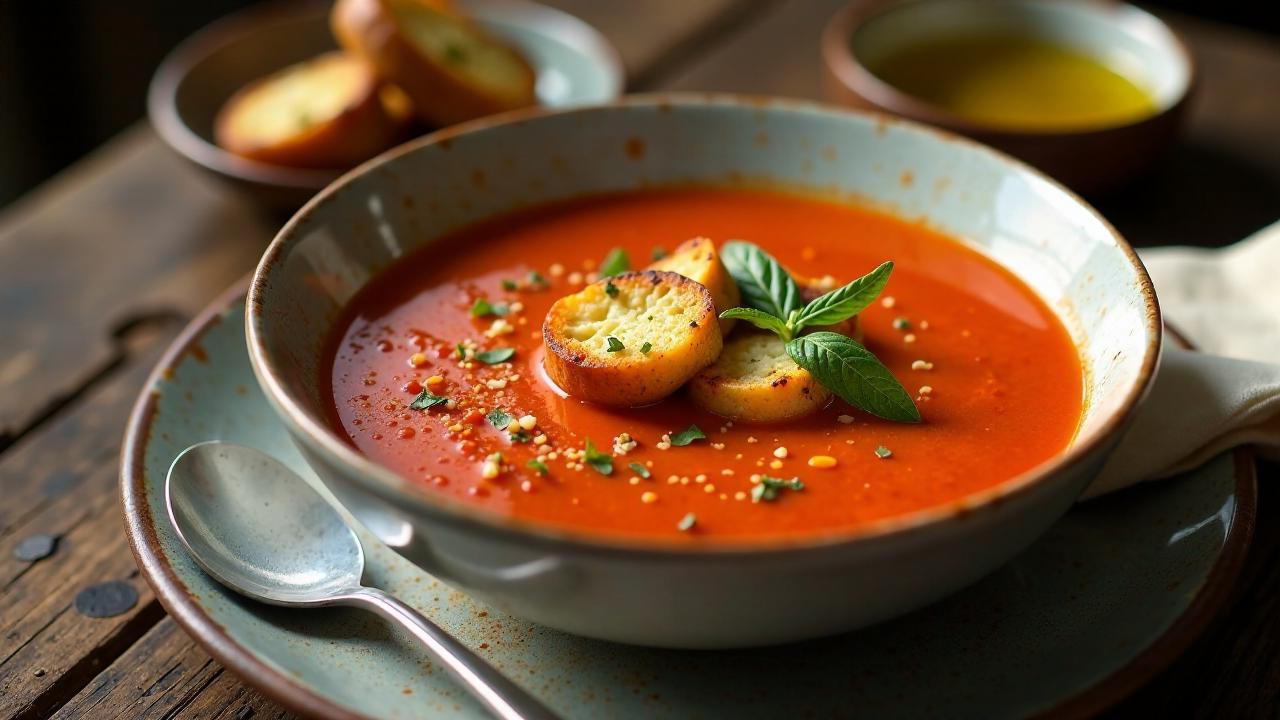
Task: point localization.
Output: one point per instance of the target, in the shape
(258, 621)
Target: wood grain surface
(100, 267)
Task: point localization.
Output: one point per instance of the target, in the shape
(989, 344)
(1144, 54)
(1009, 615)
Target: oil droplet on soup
(1015, 82)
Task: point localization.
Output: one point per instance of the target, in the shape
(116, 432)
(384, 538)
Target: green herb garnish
(538, 466)
(615, 263)
(521, 436)
(901, 323)
(883, 452)
(495, 356)
(840, 363)
(688, 435)
(482, 308)
(510, 285)
(768, 488)
(658, 253)
(427, 400)
(537, 281)
(615, 345)
(602, 462)
(461, 350)
(610, 289)
(640, 470)
(687, 522)
(499, 418)
(646, 347)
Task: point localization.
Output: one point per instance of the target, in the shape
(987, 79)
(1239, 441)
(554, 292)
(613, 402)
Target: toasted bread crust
(672, 313)
(698, 260)
(441, 95)
(754, 380)
(361, 129)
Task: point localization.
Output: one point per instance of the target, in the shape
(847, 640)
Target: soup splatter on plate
(437, 372)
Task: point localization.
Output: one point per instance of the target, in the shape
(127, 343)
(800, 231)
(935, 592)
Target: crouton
(698, 260)
(811, 289)
(327, 112)
(450, 67)
(631, 339)
(754, 380)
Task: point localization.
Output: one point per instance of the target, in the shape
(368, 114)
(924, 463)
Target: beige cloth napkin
(1227, 302)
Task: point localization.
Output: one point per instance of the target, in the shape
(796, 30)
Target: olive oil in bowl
(1016, 83)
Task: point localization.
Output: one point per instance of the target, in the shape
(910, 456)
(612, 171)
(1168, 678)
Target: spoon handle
(494, 690)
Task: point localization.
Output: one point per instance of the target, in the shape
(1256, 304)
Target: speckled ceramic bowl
(711, 594)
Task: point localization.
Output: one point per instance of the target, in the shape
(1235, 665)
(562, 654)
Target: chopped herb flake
(537, 281)
(483, 308)
(687, 522)
(768, 488)
(883, 452)
(901, 323)
(615, 262)
(510, 285)
(684, 437)
(499, 418)
(640, 470)
(602, 462)
(427, 400)
(615, 345)
(610, 289)
(538, 466)
(658, 253)
(497, 355)
(521, 436)
(461, 350)
(646, 347)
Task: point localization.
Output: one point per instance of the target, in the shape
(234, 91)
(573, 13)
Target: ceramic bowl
(705, 595)
(1088, 160)
(574, 63)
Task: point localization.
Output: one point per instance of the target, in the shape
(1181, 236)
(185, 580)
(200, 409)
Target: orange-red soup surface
(1005, 380)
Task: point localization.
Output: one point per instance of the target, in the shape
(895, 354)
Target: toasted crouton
(327, 112)
(450, 67)
(596, 339)
(811, 289)
(754, 380)
(698, 260)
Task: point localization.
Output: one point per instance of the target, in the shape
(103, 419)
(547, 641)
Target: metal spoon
(261, 530)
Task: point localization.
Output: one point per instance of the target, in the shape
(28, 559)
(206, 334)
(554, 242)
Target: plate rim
(140, 531)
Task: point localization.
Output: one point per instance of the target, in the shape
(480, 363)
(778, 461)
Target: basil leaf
(852, 372)
(615, 263)
(427, 400)
(762, 320)
(538, 466)
(495, 356)
(483, 307)
(602, 462)
(843, 303)
(640, 470)
(688, 435)
(499, 418)
(768, 488)
(765, 285)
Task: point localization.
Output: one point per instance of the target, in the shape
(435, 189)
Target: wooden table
(100, 267)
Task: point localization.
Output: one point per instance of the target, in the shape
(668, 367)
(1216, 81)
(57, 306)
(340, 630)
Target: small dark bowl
(575, 66)
(1089, 160)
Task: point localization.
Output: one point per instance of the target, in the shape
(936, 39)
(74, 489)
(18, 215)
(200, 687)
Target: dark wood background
(100, 267)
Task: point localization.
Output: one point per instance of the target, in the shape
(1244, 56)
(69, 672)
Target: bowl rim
(382, 482)
(162, 92)
(845, 67)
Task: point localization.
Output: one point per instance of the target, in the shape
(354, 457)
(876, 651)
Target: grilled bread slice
(754, 380)
(450, 67)
(698, 260)
(327, 112)
(631, 339)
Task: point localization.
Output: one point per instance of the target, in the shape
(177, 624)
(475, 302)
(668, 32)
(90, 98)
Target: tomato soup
(995, 376)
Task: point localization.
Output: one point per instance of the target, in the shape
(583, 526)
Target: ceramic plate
(1091, 611)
